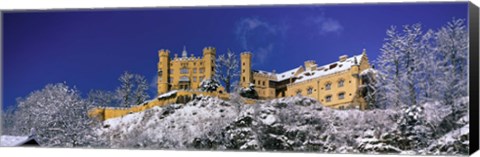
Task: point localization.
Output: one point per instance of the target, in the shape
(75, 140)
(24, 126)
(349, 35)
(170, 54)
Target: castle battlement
(184, 72)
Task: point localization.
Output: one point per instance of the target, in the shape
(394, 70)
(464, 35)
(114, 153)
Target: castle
(184, 72)
(335, 85)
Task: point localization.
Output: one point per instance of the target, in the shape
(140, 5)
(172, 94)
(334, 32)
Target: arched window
(341, 83)
(309, 90)
(328, 86)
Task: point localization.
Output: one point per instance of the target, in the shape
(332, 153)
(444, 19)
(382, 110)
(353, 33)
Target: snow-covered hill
(291, 124)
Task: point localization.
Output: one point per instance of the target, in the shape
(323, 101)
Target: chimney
(310, 65)
(343, 58)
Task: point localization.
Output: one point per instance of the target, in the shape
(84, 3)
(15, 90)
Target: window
(341, 107)
(194, 79)
(340, 83)
(201, 78)
(328, 86)
(299, 92)
(243, 79)
(243, 70)
(171, 71)
(328, 98)
(171, 79)
(309, 90)
(184, 79)
(202, 70)
(263, 83)
(195, 70)
(341, 96)
(184, 71)
(243, 63)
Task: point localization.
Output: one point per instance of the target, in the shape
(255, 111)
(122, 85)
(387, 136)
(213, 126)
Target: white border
(9, 5)
(64, 4)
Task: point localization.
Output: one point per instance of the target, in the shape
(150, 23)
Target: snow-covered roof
(281, 76)
(287, 74)
(10, 141)
(328, 69)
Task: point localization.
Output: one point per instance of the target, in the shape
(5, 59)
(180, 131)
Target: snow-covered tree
(452, 47)
(209, 85)
(389, 63)
(409, 64)
(419, 66)
(226, 69)
(133, 89)
(102, 98)
(369, 87)
(7, 120)
(249, 92)
(58, 115)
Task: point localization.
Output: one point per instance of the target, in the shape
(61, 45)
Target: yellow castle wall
(262, 86)
(113, 112)
(194, 68)
(319, 92)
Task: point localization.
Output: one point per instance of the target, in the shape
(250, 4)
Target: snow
(269, 120)
(281, 76)
(452, 136)
(318, 72)
(287, 74)
(10, 141)
(293, 123)
(168, 94)
(367, 71)
(326, 70)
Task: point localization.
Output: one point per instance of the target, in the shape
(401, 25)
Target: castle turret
(246, 69)
(184, 52)
(209, 60)
(163, 66)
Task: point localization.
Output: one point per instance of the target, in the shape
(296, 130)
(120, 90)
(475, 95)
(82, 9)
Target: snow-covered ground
(290, 124)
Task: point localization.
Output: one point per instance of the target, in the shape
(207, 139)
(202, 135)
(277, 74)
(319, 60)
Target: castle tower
(246, 69)
(209, 60)
(163, 66)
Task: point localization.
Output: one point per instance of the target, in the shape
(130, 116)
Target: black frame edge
(473, 73)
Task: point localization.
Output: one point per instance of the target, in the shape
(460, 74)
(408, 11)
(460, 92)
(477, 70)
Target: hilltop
(292, 124)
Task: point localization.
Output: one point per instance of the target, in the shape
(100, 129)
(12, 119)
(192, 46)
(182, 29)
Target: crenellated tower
(246, 69)
(209, 60)
(163, 70)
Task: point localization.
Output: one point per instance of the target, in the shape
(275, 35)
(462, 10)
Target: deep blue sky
(89, 49)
